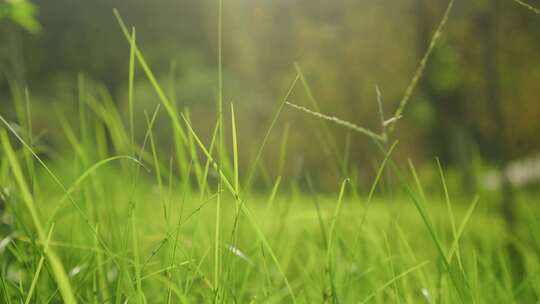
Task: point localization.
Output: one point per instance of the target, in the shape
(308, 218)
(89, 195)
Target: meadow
(113, 219)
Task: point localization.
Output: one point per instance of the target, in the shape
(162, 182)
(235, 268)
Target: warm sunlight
(285, 151)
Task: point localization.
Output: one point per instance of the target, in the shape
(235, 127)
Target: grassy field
(113, 220)
(121, 238)
(115, 235)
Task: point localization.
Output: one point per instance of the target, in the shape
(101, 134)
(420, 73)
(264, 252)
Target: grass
(364, 264)
(528, 6)
(116, 221)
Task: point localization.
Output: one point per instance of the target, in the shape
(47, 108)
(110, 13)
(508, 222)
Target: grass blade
(56, 265)
(341, 122)
(528, 6)
(40, 265)
(421, 67)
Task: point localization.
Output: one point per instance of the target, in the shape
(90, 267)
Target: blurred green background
(476, 107)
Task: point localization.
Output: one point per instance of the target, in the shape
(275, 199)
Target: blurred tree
(496, 144)
(15, 14)
(443, 87)
(344, 47)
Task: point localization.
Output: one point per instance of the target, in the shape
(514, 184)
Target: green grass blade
(230, 187)
(38, 269)
(85, 175)
(394, 279)
(450, 212)
(468, 214)
(331, 236)
(130, 90)
(376, 181)
(457, 279)
(150, 75)
(56, 265)
(328, 138)
(255, 163)
(235, 150)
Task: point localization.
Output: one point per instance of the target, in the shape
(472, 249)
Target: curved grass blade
(84, 176)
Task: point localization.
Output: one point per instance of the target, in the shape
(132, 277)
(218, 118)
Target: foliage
(22, 12)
